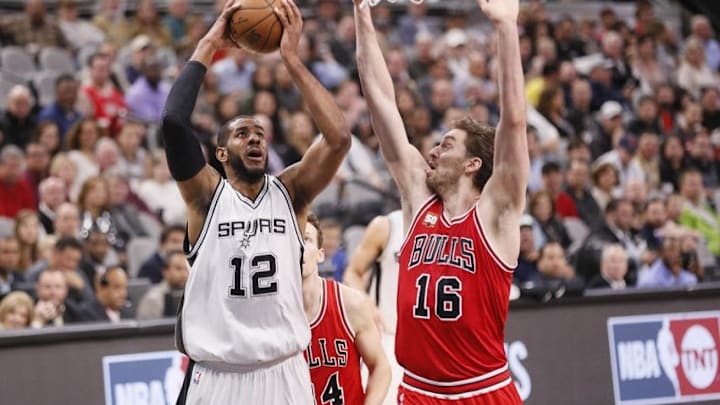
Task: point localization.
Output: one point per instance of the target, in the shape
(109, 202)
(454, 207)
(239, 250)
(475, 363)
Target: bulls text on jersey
(447, 250)
(333, 354)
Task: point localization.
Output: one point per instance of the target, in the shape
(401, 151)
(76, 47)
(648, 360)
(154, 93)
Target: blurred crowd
(623, 137)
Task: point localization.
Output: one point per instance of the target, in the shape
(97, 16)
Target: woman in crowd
(27, 231)
(16, 311)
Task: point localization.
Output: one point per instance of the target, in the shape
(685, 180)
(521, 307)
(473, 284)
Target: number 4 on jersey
(332, 394)
(448, 301)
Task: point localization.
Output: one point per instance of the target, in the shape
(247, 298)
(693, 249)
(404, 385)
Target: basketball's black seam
(269, 34)
(256, 24)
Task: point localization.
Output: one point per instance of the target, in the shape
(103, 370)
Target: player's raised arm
(405, 163)
(367, 341)
(318, 166)
(370, 248)
(196, 180)
(511, 167)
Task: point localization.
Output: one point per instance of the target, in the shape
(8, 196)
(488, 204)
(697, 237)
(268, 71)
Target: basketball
(255, 26)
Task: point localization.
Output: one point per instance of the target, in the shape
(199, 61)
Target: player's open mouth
(255, 154)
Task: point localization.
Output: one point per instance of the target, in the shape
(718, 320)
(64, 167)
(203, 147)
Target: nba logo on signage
(667, 358)
(144, 379)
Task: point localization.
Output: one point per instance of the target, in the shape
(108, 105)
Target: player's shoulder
(358, 307)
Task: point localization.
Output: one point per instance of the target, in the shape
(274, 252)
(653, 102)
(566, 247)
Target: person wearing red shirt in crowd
(343, 332)
(104, 98)
(16, 193)
(552, 177)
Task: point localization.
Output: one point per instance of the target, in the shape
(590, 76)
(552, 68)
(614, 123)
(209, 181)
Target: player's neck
(247, 188)
(458, 200)
(312, 290)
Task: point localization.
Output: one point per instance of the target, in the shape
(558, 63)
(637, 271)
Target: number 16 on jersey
(447, 305)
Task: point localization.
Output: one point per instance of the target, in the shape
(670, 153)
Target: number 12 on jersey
(448, 301)
(262, 270)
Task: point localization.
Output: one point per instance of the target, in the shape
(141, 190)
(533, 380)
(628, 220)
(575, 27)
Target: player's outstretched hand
(291, 19)
(219, 33)
(500, 10)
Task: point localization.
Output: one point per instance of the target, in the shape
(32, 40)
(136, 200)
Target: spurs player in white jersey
(379, 249)
(242, 322)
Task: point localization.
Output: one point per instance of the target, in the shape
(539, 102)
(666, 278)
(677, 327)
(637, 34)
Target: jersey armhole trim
(323, 306)
(481, 230)
(416, 218)
(206, 223)
(343, 314)
(279, 184)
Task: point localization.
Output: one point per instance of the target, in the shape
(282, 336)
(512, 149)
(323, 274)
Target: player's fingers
(297, 17)
(280, 13)
(288, 12)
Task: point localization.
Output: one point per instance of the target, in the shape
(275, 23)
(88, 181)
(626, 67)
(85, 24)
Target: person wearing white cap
(611, 127)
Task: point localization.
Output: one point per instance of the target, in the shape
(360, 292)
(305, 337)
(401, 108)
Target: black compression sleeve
(184, 155)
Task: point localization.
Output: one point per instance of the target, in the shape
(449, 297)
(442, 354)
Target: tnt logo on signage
(144, 379)
(669, 358)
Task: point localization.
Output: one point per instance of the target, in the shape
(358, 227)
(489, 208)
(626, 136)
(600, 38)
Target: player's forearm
(204, 52)
(327, 115)
(374, 74)
(510, 75)
(378, 383)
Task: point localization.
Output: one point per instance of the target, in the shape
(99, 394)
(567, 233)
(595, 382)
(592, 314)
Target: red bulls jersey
(333, 359)
(453, 296)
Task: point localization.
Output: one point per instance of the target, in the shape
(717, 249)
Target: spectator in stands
(672, 162)
(441, 99)
(52, 305)
(17, 122)
(176, 20)
(548, 227)
(16, 192)
(579, 114)
(10, 276)
(161, 193)
(697, 213)
(605, 180)
(105, 101)
(336, 262)
(16, 311)
(556, 272)
(655, 220)
(578, 188)
(134, 161)
(66, 256)
(552, 177)
(171, 239)
(288, 96)
(63, 112)
(710, 108)
(648, 158)
(537, 160)
(647, 117)
(611, 129)
(702, 30)
(299, 137)
(98, 256)
(646, 66)
(701, 153)
(146, 97)
(694, 72)
(667, 270)
(552, 107)
(94, 205)
(527, 270)
(52, 194)
(109, 303)
(613, 268)
(157, 302)
(613, 51)
(234, 73)
(601, 82)
(67, 221)
(569, 46)
(34, 29)
(81, 142)
(616, 229)
(126, 211)
(27, 232)
(78, 32)
(107, 156)
(109, 16)
(621, 157)
(665, 96)
(690, 122)
(48, 135)
(577, 149)
(37, 166)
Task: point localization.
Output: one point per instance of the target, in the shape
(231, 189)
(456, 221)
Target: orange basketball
(255, 26)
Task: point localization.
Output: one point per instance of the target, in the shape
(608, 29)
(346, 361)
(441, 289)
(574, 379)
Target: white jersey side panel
(243, 298)
(388, 279)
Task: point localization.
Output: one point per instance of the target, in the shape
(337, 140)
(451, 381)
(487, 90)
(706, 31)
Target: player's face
(313, 254)
(247, 149)
(447, 160)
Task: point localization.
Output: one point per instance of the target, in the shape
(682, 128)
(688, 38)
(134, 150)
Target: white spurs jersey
(384, 284)
(243, 298)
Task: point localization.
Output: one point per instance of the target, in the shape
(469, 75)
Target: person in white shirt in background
(160, 192)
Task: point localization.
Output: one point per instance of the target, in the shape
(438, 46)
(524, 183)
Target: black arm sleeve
(184, 155)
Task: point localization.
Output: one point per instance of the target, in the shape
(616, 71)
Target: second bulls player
(343, 333)
(462, 210)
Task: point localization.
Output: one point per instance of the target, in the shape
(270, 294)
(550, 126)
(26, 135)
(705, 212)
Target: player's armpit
(370, 248)
(369, 345)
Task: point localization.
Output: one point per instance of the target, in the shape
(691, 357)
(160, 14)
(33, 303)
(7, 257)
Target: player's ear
(473, 164)
(221, 154)
(321, 255)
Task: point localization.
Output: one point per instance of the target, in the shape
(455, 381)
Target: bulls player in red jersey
(462, 211)
(343, 333)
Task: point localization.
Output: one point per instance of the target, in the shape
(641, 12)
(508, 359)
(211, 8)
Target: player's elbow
(341, 143)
